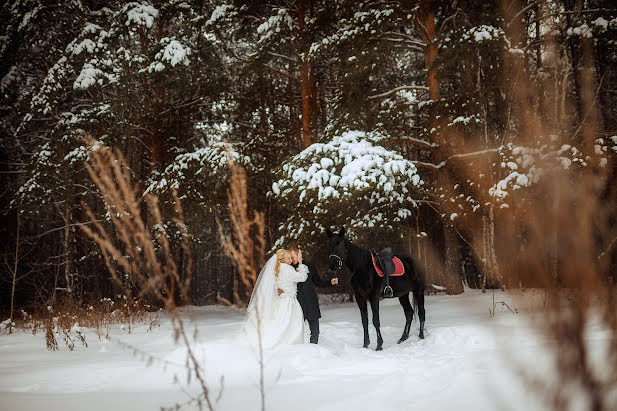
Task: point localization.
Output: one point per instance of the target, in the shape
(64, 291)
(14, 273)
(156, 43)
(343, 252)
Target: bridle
(337, 260)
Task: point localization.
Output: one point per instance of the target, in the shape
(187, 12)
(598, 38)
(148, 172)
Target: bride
(276, 319)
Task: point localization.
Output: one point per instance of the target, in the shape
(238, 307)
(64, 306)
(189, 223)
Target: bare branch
(396, 90)
(406, 38)
(441, 165)
(446, 21)
(417, 142)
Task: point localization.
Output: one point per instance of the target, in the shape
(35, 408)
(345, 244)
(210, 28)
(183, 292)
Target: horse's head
(337, 251)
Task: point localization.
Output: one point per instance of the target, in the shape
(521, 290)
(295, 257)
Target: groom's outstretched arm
(315, 276)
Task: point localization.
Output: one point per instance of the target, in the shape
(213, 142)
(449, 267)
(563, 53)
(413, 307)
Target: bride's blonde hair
(281, 254)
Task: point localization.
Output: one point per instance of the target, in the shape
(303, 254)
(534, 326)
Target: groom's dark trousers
(307, 297)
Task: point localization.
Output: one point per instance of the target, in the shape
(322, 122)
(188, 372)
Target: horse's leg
(404, 300)
(361, 301)
(418, 296)
(375, 309)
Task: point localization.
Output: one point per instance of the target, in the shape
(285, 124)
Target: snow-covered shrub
(351, 180)
(524, 167)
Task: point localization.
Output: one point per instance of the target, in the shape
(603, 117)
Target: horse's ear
(329, 233)
(342, 232)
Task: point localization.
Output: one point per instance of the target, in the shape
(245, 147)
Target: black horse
(368, 285)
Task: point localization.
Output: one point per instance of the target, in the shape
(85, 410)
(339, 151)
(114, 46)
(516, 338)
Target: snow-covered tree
(352, 181)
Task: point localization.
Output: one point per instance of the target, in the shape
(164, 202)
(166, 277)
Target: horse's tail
(415, 295)
(421, 286)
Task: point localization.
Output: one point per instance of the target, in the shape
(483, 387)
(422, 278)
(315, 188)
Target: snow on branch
(396, 90)
(194, 173)
(419, 142)
(140, 14)
(528, 165)
(455, 157)
(351, 179)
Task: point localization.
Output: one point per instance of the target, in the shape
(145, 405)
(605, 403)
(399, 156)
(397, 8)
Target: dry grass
(245, 248)
(139, 254)
(554, 236)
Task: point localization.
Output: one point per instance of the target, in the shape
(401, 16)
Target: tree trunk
(293, 116)
(307, 135)
(492, 260)
(453, 258)
(67, 253)
(306, 81)
(14, 272)
(425, 22)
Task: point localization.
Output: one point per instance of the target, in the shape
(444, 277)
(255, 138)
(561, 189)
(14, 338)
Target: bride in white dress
(274, 319)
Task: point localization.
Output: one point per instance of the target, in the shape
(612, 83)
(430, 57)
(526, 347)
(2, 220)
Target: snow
(220, 12)
(204, 163)
(173, 53)
(281, 20)
(8, 78)
(601, 22)
(529, 164)
(351, 172)
(87, 77)
(27, 17)
(86, 44)
(140, 14)
(483, 33)
(467, 361)
(348, 161)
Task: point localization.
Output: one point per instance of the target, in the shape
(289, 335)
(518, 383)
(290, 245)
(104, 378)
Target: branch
(281, 72)
(403, 44)
(69, 225)
(187, 104)
(610, 245)
(292, 60)
(559, 13)
(422, 27)
(396, 90)
(407, 38)
(418, 142)
(441, 165)
(523, 10)
(452, 17)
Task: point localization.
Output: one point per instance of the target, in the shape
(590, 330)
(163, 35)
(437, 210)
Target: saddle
(386, 266)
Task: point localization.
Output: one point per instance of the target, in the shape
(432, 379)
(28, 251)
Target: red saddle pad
(399, 268)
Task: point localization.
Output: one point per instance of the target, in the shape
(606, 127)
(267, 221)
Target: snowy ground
(467, 361)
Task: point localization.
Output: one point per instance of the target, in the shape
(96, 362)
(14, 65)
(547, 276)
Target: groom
(307, 296)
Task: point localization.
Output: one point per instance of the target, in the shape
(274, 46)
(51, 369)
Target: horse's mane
(357, 255)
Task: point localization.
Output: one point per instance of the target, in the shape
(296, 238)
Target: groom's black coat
(307, 296)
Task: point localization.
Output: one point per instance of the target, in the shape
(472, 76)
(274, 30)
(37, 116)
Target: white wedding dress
(278, 320)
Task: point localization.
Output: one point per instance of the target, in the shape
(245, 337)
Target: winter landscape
(468, 360)
(308, 204)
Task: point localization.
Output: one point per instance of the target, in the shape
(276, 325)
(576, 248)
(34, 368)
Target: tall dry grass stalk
(246, 246)
(139, 253)
(558, 234)
(246, 249)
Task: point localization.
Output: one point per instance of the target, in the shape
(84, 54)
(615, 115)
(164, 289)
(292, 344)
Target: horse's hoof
(403, 338)
(365, 346)
(421, 336)
(378, 348)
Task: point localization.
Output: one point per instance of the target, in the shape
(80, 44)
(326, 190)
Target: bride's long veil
(261, 305)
